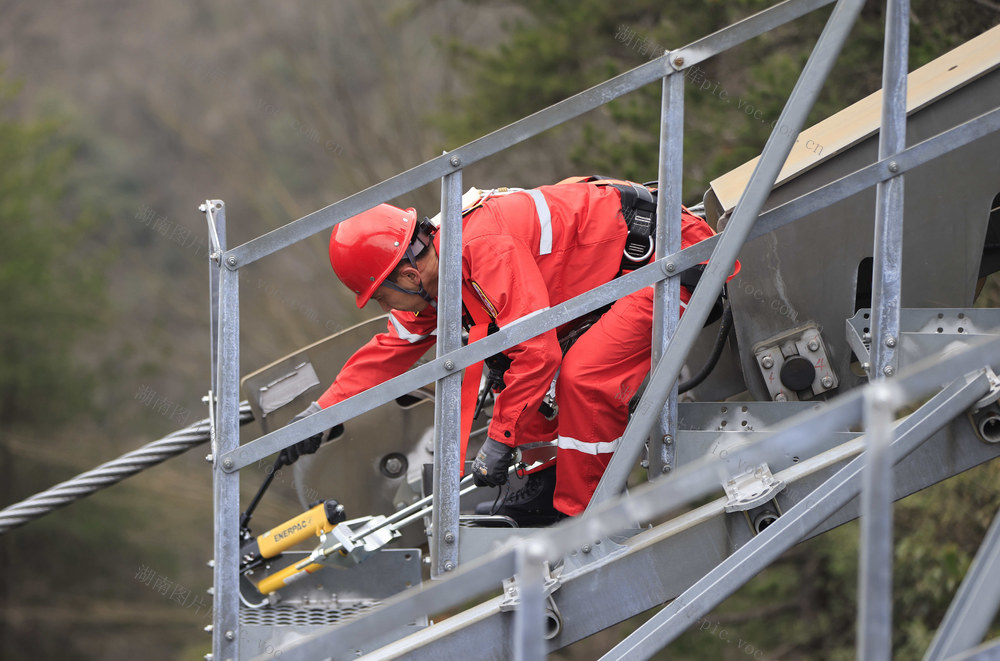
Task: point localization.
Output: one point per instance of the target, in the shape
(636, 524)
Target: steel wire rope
(111, 472)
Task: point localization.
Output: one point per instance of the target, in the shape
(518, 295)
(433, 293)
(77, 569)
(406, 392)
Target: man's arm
(385, 356)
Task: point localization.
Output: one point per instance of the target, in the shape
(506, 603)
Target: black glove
(491, 464)
(292, 453)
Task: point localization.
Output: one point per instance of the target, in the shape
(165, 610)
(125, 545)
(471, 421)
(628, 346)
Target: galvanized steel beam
(666, 295)
(888, 268)
(874, 640)
(447, 405)
(226, 486)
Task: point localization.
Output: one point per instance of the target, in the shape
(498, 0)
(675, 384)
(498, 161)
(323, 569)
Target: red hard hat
(365, 248)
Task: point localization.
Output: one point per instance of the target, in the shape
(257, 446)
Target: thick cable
(111, 472)
(725, 327)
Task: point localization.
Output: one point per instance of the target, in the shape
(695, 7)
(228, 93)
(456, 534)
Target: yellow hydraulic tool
(289, 574)
(311, 523)
(344, 544)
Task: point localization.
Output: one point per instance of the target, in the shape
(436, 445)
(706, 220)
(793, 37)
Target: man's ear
(410, 274)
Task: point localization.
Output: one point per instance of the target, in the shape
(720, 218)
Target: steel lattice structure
(690, 563)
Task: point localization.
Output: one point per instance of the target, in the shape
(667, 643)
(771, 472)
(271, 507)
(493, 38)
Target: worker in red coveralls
(522, 251)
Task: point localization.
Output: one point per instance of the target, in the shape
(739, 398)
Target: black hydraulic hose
(245, 518)
(725, 328)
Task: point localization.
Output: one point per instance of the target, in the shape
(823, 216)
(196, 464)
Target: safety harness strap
(470, 394)
(479, 323)
(639, 209)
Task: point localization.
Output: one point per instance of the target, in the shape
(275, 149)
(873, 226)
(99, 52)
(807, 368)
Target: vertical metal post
(448, 391)
(215, 217)
(875, 571)
(226, 485)
(875, 566)
(215, 214)
(888, 253)
(666, 299)
(529, 620)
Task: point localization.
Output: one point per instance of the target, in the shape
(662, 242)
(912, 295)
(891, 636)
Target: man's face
(392, 299)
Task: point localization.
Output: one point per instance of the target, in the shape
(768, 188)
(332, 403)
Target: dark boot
(531, 505)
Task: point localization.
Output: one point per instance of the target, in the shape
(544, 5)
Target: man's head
(386, 254)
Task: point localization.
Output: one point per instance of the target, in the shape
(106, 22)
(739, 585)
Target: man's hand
(492, 463)
(292, 453)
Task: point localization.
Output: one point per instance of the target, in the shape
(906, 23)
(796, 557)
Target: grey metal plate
(808, 271)
(327, 598)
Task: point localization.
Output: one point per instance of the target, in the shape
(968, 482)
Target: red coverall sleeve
(385, 356)
(504, 271)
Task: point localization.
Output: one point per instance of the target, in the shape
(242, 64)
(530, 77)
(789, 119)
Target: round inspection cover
(797, 373)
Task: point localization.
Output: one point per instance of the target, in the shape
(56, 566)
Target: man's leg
(599, 375)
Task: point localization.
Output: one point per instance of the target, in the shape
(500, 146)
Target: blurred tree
(50, 280)
(51, 287)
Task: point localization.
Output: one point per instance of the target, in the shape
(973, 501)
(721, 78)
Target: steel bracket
(751, 488)
(511, 595)
(795, 364)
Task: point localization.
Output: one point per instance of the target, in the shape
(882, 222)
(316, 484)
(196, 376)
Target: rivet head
(586, 548)
(666, 469)
(227, 463)
(813, 345)
(669, 267)
(780, 397)
(888, 370)
(890, 342)
(767, 362)
(449, 566)
(827, 382)
(455, 161)
(678, 61)
(449, 537)
(667, 439)
(893, 166)
(449, 365)
(231, 260)
(230, 635)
